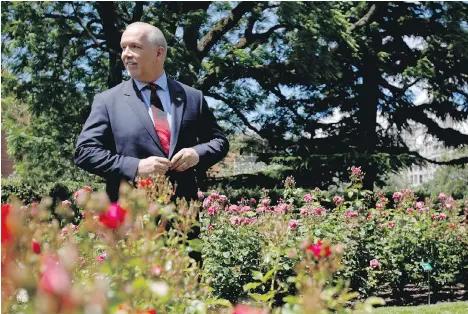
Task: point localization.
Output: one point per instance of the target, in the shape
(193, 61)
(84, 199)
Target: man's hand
(184, 159)
(153, 165)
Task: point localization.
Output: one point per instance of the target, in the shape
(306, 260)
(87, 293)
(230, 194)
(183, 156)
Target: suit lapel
(178, 103)
(134, 100)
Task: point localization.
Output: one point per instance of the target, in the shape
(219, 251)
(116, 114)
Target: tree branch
(453, 162)
(365, 19)
(85, 28)
(192, 26)
(251, 38)
(236, 111)
(222, 27)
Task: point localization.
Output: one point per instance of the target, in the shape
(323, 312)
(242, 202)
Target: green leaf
(268, 274)
(139, 283)
(251, 285)
(257, 275)
(263, 297)
(222, 302)
(196, 244)
(292, 299)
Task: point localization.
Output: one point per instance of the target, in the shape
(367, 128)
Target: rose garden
(303, 254)
(327, 141)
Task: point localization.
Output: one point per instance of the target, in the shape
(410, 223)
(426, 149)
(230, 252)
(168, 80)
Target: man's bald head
(153, 34)
(144, 51)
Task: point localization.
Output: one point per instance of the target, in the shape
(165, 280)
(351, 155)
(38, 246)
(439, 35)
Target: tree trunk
(112, 36)
(368, 102)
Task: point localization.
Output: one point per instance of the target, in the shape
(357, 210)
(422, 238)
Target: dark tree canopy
(275, 68)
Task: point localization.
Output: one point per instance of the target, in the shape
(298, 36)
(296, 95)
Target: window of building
(420, 178)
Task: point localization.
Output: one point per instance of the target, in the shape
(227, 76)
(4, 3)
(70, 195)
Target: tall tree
(389, 48)
(276, 68)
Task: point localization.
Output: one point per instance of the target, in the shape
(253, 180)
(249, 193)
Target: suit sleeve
(214, 145)
(95, 151)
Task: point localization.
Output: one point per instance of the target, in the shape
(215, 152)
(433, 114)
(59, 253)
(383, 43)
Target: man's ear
(160, 53)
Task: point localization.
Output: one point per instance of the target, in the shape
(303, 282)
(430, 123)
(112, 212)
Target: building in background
(429, 147)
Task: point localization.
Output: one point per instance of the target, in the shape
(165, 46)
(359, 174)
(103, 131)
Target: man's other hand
(186, 158)
(153, 165)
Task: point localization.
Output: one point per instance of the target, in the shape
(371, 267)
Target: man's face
(139, 56)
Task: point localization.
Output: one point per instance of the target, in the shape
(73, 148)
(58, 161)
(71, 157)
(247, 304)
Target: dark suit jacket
(119, 132)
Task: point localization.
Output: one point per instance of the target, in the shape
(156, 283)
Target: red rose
(6, 233)
(318, 250)
(144, 183)
(113, 217)
(36, 247)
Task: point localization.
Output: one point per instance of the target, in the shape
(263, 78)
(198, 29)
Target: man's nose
(126, 52)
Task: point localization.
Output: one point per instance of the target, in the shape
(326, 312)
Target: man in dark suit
(149, 124)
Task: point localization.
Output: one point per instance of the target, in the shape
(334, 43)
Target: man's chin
(133, 74)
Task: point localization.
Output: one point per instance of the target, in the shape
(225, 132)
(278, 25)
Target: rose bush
(305, 252)
(384, 240)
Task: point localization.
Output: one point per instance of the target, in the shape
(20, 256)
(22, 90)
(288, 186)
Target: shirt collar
(161, 82)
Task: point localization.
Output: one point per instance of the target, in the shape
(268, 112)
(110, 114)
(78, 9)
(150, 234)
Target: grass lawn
(441, 308)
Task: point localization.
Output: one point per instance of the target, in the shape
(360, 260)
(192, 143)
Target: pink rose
(442, 216)
(87, 188)
(64, 231)
(156, 270)
(304, 211)
(419, 205)
(66, 203)
(374, 263)
(206, 202)
(409, 210)
(246, 208)
(319, 211)
(210, 227)
(356, 171)
(200, 195)
(307, 198)
(337, 200)
(101, 257)
(293, 224)
(265, 203)
(54, 279)
(245, 309)
(442, 196)
(391, 224)
(350, 213)
(212, 210)
(378, 206)
(397, 195)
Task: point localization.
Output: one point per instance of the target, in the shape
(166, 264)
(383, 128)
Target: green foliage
(277, 69)
(29, 191)
(229, 255)
(399, 230)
